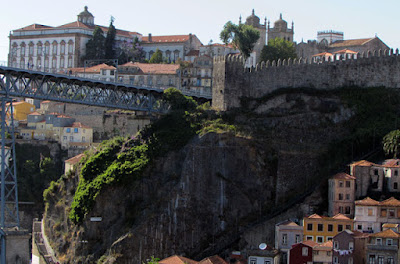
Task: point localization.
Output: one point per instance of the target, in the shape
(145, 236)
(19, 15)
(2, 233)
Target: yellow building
(21, 110)
(322, 228)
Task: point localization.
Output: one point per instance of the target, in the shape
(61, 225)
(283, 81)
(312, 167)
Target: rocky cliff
(222, 191)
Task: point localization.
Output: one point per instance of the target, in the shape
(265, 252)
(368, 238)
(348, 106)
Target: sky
(206, 18)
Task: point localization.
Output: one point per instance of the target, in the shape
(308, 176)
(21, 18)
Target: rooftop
(388, 233)
(177, 260)
(76, 159)
(153, 68)
(166, 39)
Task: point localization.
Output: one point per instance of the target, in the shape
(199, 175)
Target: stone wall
(232, 81)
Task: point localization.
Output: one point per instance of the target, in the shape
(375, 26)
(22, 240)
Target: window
(76, 130)
(65, 137)
(380, 259)
(330, 227)
(390, 260)
(320, 239)
(383, 212)
(371, 259)
(253, 261)
(54, 63)
(54, 48)
(329, 238)
(391, 213)
(309, 227)
(340, 183)
(309, 237)
(340, 228)
(70, 47)
(341, 209)
(47, 48)
(340, 196)
(22, 49)
(315, 252)
(111, 72)
(335, 259)
(267, 261)
(62, 62)
(68, 130)
(348, 227)
(347, 196)
(370, 212)
(378, 241)
(298, 239)
(395, 186)
(396, 173)
(347, 184)
(359, 227)
(351, 245)
(376, 172)
(284, 239)
(336, 244)
(69, 62)
(62, 47)
(30, 49)
(83, 139)
(71, 138)
(304, 251)
(39, 49)
(320, 227)
(348, 210)
(389, 242)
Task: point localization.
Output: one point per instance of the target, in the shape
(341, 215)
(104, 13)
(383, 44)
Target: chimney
(150, 39)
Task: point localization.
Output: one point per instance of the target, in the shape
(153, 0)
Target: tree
(153, 260)
(156, 57)
(242, 36)
(109, 44)
(391, 143)
(278, 48)
(95, 45)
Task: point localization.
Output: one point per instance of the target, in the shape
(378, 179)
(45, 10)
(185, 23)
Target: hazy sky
(356, 18)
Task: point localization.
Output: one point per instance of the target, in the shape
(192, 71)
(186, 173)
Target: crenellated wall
(232, 81)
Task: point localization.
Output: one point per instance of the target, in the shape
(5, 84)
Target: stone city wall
(231, 80)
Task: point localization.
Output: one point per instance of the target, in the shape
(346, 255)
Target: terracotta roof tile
(79, 125)
(34, 27)
(177, 260)
(350, 42)
(388, 233)
(153, 68)
(322, 54)
(389, 225)
(287, 223)
(363, 163)
(166, 39)
(367, 201)
(343, 176)
(315, 216)
(390, 202)
(310, 243)
(76, 159)
(345, 51)
(392, 163)
(340, 217)
(35, 114)
(213, 260)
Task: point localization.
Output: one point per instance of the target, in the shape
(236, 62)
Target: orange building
(322, 228)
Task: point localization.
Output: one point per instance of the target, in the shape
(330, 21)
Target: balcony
(382, 247)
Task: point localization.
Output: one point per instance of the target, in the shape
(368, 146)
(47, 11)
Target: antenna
(262, 246)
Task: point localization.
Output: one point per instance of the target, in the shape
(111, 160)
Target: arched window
(168, 55)
(62, 62)
(151, 54)
(47, 48)
(30, 63)
(46, 64)
(22, 49)
(22, 63)
(14, 63)
(70, 62)
(176, 54)
(70, 47)
(39, 62)
(31, 48)
(55, 44)
(62, 47)
(14, 50)
(54, 62)
(39, 48)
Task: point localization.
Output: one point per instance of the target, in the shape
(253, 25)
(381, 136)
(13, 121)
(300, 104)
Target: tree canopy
(156, 57)
(278, 48)
(391, 143)
(95, 45)
(109, 44)
(242, 36)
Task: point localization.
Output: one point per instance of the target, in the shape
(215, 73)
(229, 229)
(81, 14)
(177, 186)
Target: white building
(53, 49)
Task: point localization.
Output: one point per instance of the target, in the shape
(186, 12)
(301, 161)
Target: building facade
(54, 49)
(383, 247)
(341, 195)
(287, 233)
(281, 30)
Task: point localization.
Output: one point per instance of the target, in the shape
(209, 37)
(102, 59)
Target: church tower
(86, 17)
(281, 30)
(254, 21)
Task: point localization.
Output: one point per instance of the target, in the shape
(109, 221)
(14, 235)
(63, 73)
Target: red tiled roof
(345, 51)
(166, 39)
(388, 233)
(389, 225)
(328, 245)
(392, 163)
(390, 202)
(76, 159)
(315, 216)
(193, 53)
(34, 27)
(177, 260)
(63, 116)
(93, 69)
(153, 68)
(45, 102)
(77, 24)
(322, 54)
(287, 223)
(350, 42)
(367, 201)
(363, 163)
(35, 113)
(53, 113)
(340, 217)
(79, 124)
(213, 260)
(18, 103)
(310, 243)
(343, 176)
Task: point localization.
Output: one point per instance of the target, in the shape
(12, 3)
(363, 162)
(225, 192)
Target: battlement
(232, 80)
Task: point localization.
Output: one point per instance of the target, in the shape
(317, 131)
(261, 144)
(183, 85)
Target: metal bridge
(16, 82)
